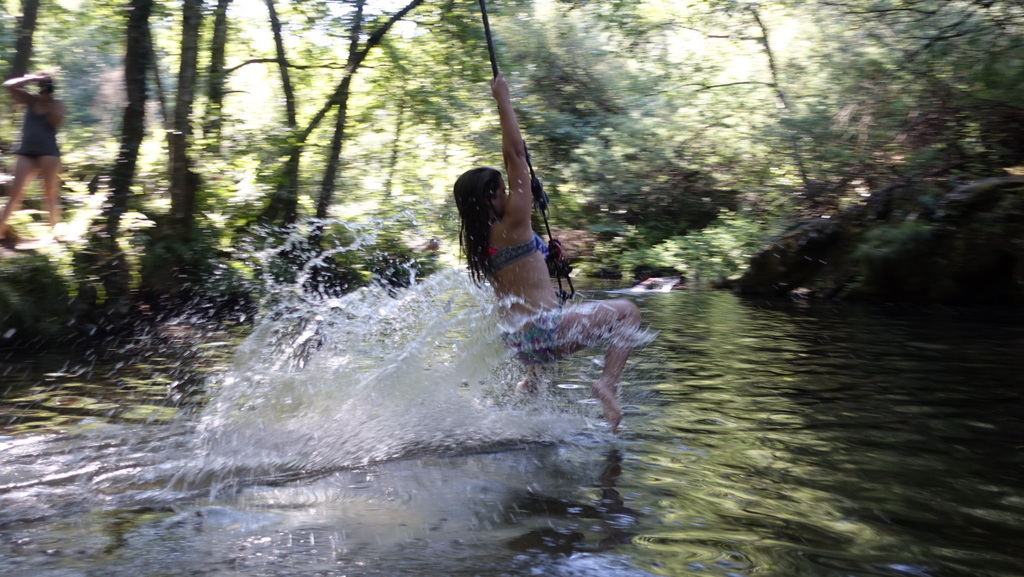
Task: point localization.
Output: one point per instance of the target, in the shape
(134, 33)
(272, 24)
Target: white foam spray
(371, 376)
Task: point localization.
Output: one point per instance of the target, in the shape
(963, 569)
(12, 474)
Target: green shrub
(33, 298)
(897, 259)
(718, 252)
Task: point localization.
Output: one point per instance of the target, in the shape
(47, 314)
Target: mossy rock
(911, 243)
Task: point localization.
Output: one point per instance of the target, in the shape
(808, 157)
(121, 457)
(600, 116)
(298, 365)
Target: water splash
(367, 377)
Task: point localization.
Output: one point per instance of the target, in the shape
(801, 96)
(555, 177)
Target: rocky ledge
(935, 242)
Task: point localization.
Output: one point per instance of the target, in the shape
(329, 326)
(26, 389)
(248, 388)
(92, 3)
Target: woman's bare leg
(24, 168)
(49, 168)
(615, 321)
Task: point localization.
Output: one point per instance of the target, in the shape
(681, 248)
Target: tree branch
(354, 64)
(703, 87)
(329, 66)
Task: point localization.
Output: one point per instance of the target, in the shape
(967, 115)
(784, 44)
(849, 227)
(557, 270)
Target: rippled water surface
(377, 435)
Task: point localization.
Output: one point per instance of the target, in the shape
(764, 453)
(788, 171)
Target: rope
(490, 41)
(557, 267)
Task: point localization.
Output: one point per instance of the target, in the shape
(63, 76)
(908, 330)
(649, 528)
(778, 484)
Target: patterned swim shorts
(536, 343)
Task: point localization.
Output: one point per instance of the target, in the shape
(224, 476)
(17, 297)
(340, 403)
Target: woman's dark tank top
(38, 136)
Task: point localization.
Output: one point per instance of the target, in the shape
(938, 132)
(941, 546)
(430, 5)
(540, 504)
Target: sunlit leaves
(621, 103)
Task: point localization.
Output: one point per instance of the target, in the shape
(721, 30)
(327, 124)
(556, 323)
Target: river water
(376, 434)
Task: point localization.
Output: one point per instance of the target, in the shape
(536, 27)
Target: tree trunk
(137, 59)
(323, 204)
(396, 147)
(106, 260)
(337, 140)
(214, 119)
(26, 30)
(796, 154)
(340, 99)
(283, 205)
(184, 183)
(22, 57)
(158, 85)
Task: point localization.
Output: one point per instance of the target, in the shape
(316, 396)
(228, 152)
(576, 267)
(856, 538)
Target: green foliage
(672, 131)
(33, 298)
(176, 267)
(894, 243)
(328, 259)
(713, 254)
(895, 258)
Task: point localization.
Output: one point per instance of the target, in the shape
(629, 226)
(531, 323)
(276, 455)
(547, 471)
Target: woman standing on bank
(38, 153)
(501, 248)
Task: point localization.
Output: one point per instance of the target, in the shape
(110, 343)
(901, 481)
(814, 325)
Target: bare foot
(528, 386)
(531, 384)
(607, 394)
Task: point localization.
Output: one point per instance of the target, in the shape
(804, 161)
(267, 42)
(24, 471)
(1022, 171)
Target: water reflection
(150, 378)
(822, 440)
(609, 517)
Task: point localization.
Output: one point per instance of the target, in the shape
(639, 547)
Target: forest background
(213, 149)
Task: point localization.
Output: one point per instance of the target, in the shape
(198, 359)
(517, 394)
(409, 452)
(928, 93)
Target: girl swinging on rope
(500, 246)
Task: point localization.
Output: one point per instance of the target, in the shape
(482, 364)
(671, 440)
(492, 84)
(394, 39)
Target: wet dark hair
(473, 191)
(46, 85)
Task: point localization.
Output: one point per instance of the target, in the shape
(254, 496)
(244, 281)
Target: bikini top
(499, 258)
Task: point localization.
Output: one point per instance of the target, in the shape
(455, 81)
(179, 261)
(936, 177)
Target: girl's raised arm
(513, 149)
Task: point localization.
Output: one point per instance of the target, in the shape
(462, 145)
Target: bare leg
(49, 168)
(615, 321)
(531, 384)
(24, 168)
